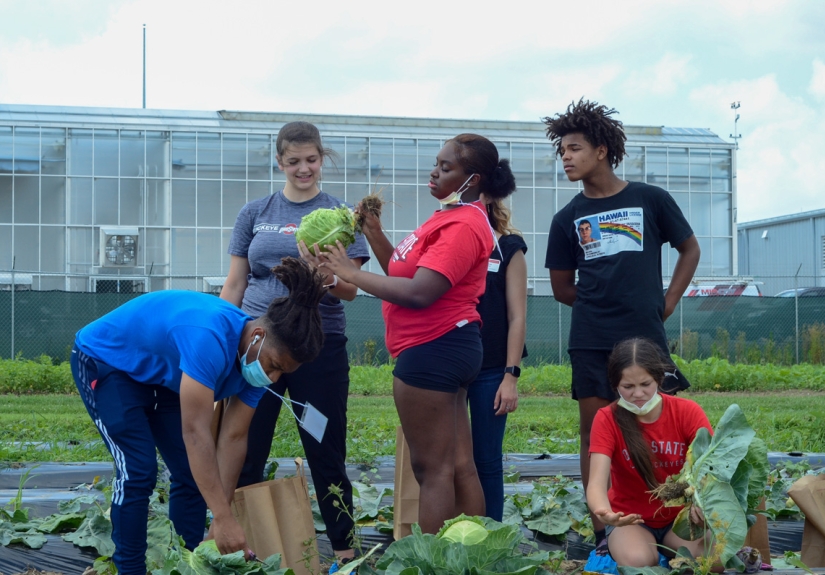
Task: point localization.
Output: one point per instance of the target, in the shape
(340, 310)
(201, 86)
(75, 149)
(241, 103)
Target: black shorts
(590, 376)
(446, 364)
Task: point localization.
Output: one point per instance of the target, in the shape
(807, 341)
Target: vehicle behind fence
(784, 330)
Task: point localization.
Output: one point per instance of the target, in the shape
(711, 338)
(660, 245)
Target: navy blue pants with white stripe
(133, 419)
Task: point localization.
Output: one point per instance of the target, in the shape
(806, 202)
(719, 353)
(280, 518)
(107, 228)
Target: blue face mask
(253, 372)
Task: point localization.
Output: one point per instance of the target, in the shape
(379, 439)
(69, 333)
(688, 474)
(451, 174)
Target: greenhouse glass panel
(26, 199)
(209, 203)
(27, 150)
(209, 156)
(656, 167)
(132, 154)
(82, 249)
(80, 201)
(544, 165)
(6, 255)
(406, 163)
(545, 209)
(634, 164)
(234, 198)
(27, 248)
(356, 160)
(355, 192)
(53, 249)
(721, 210)
(106, 202)
(255, 190)
(683, 201)
(157, 154)
(704, 268)
(521, 162)
(6, 150)
(80, 153)
(52, 151)
(6, 199)
(259, 157)
(699, 170)
(381, 160)
(157, 202)
(156, 249)
(53, 198)
(209, 252)
(562, 179)
(337, 190)
(700, 213)
(427, 152)
(406, 215)
(565, 196)
(721, 171)
(184, 160)
(678, 169)
(234, 156)
(721, 256)
(106, 153)
(183, 202)
(131, 202)
(184, 250)
(334, 162)
(521, 204)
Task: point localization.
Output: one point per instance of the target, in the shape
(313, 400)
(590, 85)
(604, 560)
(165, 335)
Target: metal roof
(230, 120)
(781, 219)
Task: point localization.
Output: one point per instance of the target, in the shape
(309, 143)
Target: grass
(787, 421)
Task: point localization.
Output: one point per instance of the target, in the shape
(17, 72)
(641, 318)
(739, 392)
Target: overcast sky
(659, 62)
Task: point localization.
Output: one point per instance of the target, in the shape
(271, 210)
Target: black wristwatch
(513, 369)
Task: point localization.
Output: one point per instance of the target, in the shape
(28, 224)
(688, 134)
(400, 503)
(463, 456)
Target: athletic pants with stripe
(133, 419)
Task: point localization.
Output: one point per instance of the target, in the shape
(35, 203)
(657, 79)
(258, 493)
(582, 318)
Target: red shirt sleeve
(602, 433)
(450, 252)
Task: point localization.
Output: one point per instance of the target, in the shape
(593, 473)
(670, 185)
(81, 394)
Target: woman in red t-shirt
(635, 444)
(435, 277)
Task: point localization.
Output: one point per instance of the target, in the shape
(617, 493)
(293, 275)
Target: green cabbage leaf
(326, 225)
(725, 476)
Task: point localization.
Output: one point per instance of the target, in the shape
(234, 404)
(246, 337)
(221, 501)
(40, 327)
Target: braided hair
(294, 320)
(593, 121)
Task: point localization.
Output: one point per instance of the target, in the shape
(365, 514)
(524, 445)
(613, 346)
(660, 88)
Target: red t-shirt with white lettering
(669, 437)
(456, 243)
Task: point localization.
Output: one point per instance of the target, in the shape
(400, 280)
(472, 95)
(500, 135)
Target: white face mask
(649, 406)
(313, 421)
(455, 197)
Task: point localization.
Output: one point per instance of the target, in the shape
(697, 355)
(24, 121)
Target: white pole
(144, 66)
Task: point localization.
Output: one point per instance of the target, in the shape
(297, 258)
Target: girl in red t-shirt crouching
(635, 444)
(435, 277)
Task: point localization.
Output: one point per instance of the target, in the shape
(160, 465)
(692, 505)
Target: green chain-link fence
(742, 329)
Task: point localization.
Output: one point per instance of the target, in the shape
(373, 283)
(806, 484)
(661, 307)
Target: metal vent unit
(20, 282)
(118, 246)
(213, 285)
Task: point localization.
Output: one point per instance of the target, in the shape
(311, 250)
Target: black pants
(325, 383)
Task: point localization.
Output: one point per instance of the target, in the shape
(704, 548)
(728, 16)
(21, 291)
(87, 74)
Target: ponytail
(294, 320)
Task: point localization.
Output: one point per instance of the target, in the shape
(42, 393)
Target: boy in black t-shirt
(612, 234)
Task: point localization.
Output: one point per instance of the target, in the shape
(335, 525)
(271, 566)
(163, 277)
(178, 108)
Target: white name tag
(493, 265)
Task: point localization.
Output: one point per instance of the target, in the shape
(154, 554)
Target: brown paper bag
(406, 493)
(809, 494)
(758, 535)
(276, 517)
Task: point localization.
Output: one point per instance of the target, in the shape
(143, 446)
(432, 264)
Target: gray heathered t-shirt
(264, 233)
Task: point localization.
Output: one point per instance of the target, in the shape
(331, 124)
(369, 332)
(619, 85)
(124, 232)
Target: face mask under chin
(649, 406)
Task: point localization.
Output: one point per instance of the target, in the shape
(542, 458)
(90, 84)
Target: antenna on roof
(144, 66)
(736, 135)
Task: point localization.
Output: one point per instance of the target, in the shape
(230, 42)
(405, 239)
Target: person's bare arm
(563, 283)
(197, 405)
(597, 498)
(420, 291)
(236, 282)
(686, 264)
(343, 289)
(515, 294)
(232, 442)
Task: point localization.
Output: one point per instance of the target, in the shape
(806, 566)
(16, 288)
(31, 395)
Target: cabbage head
(326, 225)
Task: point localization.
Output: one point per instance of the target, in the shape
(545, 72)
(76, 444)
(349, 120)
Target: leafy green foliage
(325, 226)
(725, 477)
(207, 560)
(427, 554)
(21, 376)
(553, 507)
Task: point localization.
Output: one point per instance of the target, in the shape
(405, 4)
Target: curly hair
(593, 121)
